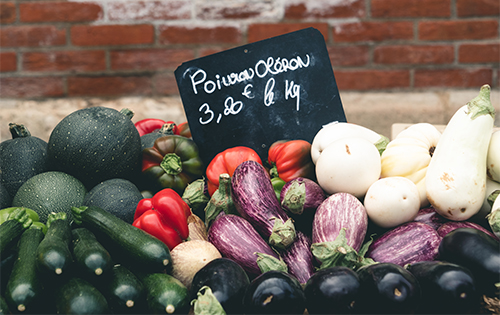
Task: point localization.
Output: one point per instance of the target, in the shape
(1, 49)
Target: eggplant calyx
(194, 195)
(295, 198)
(171, 164)
(267, 263)
(283, 234)
(339, 253)
(206, 303)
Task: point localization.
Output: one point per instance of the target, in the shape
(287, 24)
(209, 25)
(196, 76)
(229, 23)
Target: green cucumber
(124, 291)
(90, 256)
(78, 296)
(129, 244)
(165, 294)
(53, 254)
(10, 231)
(24, 289)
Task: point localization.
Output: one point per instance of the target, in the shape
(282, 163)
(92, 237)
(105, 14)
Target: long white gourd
(456, 175)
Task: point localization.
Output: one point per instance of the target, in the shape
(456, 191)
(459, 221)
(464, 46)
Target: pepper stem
(171, 164)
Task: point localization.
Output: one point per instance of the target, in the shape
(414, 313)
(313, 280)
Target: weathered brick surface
(131, 47)
(414, 55)
(86, 60)
(32, 36)
(7, 12)
(109, 86)
(8, 61)
(410, 8)
(49, 11)
(98, 35)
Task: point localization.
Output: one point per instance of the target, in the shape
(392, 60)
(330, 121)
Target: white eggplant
(456, 175)
(493, 165)
(333, 131)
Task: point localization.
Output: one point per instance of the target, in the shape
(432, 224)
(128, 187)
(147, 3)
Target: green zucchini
(90, 256)
(24, 289)
(165, 294)
(53, 253)
(124, 291)
(129, 244)
(10, 231)
(78, 296)
(4, 308)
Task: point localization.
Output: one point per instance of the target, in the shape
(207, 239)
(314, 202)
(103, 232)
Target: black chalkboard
(253, 95)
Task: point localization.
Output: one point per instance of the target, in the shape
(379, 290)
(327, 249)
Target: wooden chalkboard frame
(281, 88)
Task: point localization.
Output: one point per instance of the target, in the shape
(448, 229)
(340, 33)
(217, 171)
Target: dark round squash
(50, 192)
(21, 158)
(117, 196)
(96, 144)
(5, 198)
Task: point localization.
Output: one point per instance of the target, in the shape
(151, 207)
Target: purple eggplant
(340, 211)
(300, 198)
(299, 258)
(255, 200)
(407, 243)
(453, 225)
(236, 239)
(431, 217)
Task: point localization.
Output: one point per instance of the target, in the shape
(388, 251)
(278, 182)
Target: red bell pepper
(149, 125)
(226, 162)
(290, 159)
(164, 216)
(184, 130)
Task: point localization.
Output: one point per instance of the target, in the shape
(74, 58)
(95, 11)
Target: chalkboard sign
(281, 88)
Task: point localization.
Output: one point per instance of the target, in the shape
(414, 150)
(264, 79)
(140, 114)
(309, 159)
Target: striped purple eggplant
(299, 258)
(340, 211)
(407, 243)
(431, 217)
(301, 195)
(453, 225)
(255, 200)
(236, 239)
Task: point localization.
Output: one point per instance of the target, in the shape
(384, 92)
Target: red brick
(7, 12)
(148, 10)
(410, 8)
(458, 78)
(109, 86)
(8, 61)
(258, 32)
(96, 35)
(372, 79)
(349, 56)
(150, 59)
(372, 31)
(476, 53)
(165, 84)
(466, 8)
(32, 36)
(458, 30)
(57, 11)
(213, 10)
(424, 54)
(325, 9)
(86, 60)
(199, 35)
(23, 87)
(209, 51)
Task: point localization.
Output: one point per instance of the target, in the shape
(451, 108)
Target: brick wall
(112, 48)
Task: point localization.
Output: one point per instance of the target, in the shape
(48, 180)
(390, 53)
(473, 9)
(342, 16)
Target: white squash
(348, 165)
(493, 160)
(494, 216)
(392, 201)
(408, 155)
(456, 175)
(339, 130)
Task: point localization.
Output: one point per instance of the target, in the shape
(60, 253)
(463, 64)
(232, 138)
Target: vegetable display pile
(112, 216)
